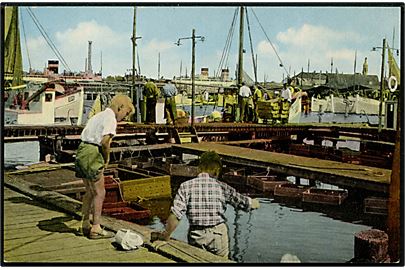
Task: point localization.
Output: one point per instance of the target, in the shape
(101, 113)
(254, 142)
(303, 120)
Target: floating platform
(324, 196)
(376, 206)
(265, 183)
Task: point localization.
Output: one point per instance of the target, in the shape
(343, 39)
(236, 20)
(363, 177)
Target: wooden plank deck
(327, 171)
(36, 233)
(39, 227)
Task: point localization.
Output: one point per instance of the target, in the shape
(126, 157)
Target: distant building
(327, 83)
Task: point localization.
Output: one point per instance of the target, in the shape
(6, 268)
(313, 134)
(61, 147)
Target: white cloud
(318, 44)
(73, 46)
(316, 37)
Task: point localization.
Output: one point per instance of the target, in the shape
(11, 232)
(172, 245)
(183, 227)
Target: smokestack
(89, 67)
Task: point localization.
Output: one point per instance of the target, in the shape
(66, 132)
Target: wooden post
(193, 79)
(371, 246)
(381, 89)
(240, 62)
(394, 217)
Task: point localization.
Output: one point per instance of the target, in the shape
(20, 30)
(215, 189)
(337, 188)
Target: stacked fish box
(115, 206)
(376, 205)
(265, 183)
(289, 191)
(324, 196)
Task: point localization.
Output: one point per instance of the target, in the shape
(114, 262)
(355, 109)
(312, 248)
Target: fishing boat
(53, 103)
(28, 103)
(347, 105)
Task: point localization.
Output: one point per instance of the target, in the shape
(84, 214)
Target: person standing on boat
(365, 67)
(286, 93)
(150, 95)
(244, 94)
(257, 96)
(203, 200)
(92, 156)
(169, 92)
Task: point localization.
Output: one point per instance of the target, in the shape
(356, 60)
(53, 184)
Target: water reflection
(278, 227)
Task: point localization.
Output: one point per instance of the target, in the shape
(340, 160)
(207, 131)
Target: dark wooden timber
(236, 131)
(327, 171)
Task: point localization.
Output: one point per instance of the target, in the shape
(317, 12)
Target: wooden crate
(265, 183)
(126, 211)
(324, 196)
(183, 170)
(289, 190)
(376, 205)
(234, 178)
(146, 188)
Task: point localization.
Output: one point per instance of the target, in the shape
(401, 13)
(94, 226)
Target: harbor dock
(41, 227)
(327, 171)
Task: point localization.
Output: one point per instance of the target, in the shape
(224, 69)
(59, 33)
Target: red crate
(289, 190)
(126, 211)
(324, 196)
(265, 183)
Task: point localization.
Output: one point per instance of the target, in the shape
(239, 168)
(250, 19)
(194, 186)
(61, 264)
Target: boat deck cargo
(265, 183)
(289, 190)
(376, 205)
(324, 196)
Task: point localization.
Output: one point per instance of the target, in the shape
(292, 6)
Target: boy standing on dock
(203, 200)
(93, 155)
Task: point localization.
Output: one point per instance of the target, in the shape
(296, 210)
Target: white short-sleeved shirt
(244, 91)
(101, 124)
(286, 94)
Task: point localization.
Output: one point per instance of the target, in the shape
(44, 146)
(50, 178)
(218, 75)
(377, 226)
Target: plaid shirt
(203, 199)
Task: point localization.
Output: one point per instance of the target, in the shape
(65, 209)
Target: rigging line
(25, 39)
(228, 40)
(47, 38)
(251, 47)
(43, 33)
(228, 43)
(233, 31)
(274, 49)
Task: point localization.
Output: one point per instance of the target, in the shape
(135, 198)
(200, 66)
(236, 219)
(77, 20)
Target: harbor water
(314, 235)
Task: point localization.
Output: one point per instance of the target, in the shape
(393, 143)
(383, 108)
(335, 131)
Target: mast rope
(271, 43)
(251, 48)
(228, 43)
(47, 38)
(25, 39)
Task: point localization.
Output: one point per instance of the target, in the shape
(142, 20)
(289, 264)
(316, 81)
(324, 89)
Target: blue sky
(299, 34)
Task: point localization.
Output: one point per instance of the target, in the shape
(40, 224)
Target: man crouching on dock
(203, 199)
(93, 155)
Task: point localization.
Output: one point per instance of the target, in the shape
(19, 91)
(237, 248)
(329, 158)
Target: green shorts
(89, 163)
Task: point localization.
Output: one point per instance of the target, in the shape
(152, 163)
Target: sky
(303, 36)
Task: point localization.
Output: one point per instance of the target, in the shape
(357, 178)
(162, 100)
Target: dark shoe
(103, 234)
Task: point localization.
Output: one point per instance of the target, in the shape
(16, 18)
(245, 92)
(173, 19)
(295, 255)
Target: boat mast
(381, 88)
(240, 62)
(138, 113)
(158, 66)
